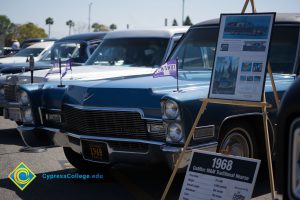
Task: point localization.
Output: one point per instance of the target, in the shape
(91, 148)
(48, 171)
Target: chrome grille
(10, 93)
(123, 124)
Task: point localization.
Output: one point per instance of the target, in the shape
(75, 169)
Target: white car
(38, 50)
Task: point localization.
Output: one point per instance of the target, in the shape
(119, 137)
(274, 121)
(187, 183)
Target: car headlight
(171, 110)
(174, 133)
(27, 116)
(23, 98)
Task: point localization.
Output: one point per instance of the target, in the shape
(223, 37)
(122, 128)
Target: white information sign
(214, 176)
(241, 56)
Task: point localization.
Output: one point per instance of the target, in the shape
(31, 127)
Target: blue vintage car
(122, 53)
(288, 139)
(144, 119)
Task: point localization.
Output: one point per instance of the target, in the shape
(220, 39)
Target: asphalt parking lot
(120, 182)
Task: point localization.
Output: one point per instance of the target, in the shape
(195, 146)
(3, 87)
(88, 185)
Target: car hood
(23, 66)
(146, 92)
(87, 72)
(134, 91)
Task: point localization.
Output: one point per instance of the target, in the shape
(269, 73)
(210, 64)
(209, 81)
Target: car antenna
(60, 78)
(31, 67)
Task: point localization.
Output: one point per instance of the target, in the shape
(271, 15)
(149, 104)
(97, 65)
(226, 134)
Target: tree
(187, 21)
(6, 28)
(99, 27)
(71, 24)
(49, 22)
(29, 30)
(174, 23)
(113, 27)
(5, 24)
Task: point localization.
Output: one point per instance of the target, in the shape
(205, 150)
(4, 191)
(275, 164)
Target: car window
(67, 50)
(26, 52)
(92, 47)
(197, 49)
(130, 52)
(283, 48)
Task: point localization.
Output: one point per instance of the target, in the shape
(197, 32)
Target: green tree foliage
(49, 21)
(7, 31)
(10, 31)
(174, 23)
(113, 27)
(29, 30)
(187, 21)
(99, 27)
(5, 25)
(71, 24)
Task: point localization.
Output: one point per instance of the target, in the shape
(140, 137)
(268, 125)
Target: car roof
(283, 18)
(39, 40)
(41, 44)
(166, 32)
(84, 36)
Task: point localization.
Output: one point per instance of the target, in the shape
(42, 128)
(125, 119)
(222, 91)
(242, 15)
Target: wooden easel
(263, 105)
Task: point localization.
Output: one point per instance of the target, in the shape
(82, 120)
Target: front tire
(238, 139)
(78, 162)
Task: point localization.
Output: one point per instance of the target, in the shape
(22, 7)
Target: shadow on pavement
(10, 136)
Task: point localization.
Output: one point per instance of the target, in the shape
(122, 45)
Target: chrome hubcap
(236, 144)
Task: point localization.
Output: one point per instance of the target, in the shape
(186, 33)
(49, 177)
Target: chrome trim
(113, 139)
(152, 119)
(250, 114)
(13, 104)
(40, 115)
(208, 126)
(171, 149)
(107, 109)
(140, 111)
(52, 109)
(295, 161)
(291, 149)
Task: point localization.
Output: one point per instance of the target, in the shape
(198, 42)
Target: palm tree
(71, 24)
(174, 23)
(49, 21)
(113, 27)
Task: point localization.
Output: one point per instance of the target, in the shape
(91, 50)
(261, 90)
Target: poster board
(241, 57)
(216, 176)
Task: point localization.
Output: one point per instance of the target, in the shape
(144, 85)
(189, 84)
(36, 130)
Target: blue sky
(136, 13)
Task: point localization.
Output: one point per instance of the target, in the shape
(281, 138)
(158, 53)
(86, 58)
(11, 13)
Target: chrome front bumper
(154, 153)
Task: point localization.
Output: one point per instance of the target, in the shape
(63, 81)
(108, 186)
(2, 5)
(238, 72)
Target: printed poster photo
(254, 46)
(247, 27)
(225, 75)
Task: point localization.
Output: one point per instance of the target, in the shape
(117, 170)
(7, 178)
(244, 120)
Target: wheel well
(256, 121)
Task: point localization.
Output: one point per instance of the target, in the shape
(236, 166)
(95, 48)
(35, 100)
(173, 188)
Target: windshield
(132, 52)
(197, 50)
(26, 52)
(65, 51)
